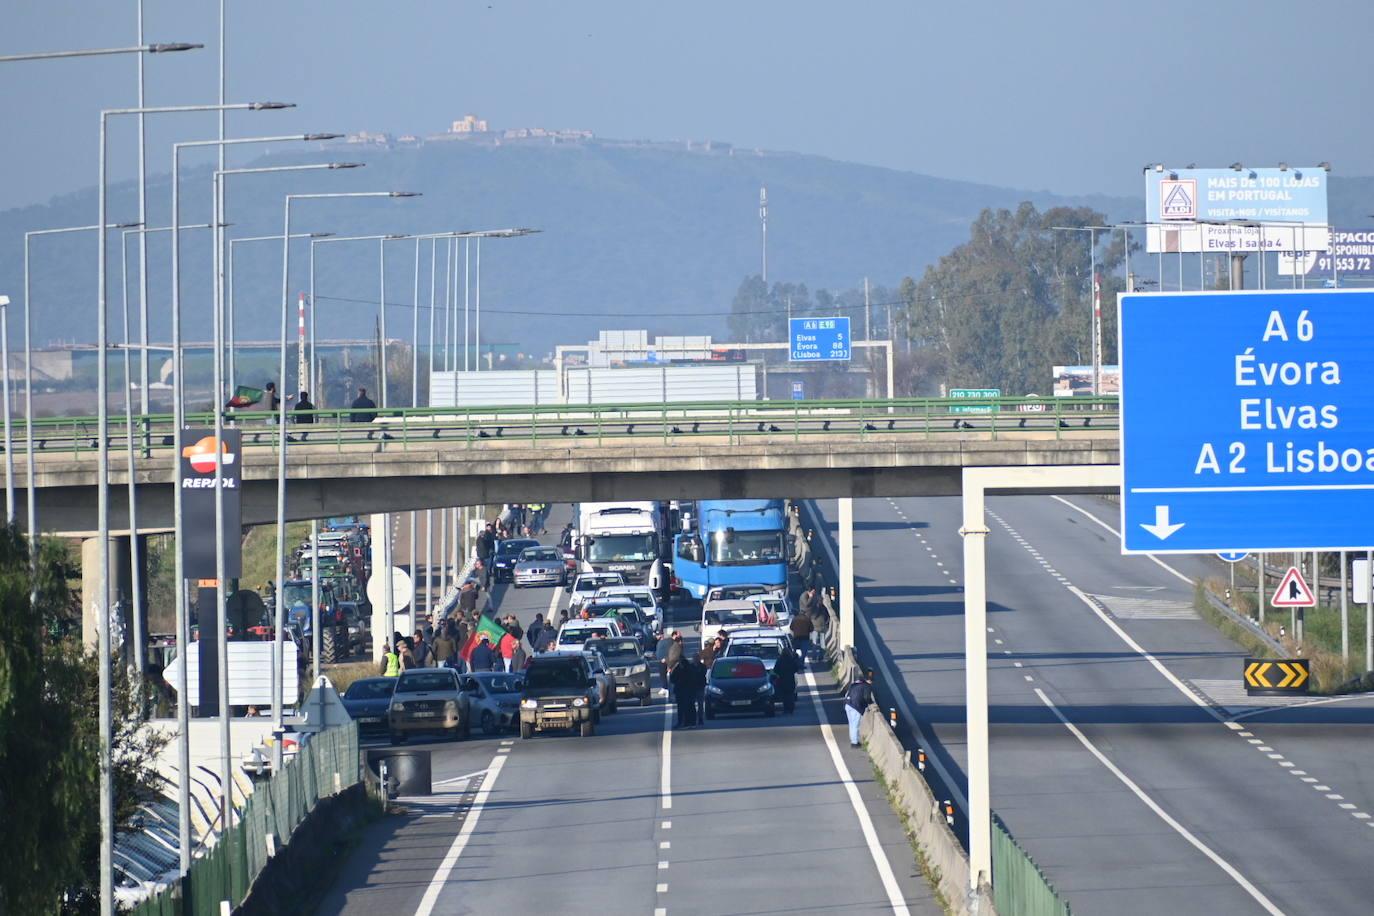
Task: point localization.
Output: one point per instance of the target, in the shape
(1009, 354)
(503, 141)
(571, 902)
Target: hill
(632, 235)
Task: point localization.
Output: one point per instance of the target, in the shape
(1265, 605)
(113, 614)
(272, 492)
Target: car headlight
(451, 706)
(580, 701)
(714, 690)
(638, 669)
(529, 704)
(766, 688)
(398, 706)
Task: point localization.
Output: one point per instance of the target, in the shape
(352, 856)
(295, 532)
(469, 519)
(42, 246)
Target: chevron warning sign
(1276, 676)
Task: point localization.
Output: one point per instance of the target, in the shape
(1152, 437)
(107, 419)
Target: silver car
(428, 700)
(494, 698)
(539, 566)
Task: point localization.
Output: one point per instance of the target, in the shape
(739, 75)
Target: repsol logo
(204, 483)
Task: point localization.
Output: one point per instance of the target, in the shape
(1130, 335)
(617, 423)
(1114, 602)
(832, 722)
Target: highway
(1125, 758)
(739, 816)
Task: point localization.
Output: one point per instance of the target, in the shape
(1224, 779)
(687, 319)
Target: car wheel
(489, 726)
(526, 730)
(467, 725)
(588, 728)
(396, 738)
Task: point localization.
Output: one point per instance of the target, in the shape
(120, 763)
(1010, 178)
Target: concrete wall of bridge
(324, 481)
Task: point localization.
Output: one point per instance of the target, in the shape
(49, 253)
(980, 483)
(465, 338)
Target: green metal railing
(737, 421)
(325, 766)
(1019, 887)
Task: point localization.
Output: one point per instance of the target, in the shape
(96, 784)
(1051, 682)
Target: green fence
(326, 765)
(1019, 887)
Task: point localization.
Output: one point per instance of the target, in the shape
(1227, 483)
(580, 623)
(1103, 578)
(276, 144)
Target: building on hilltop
(369, 138)
(470, 124)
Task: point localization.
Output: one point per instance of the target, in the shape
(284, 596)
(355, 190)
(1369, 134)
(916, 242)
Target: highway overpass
(430, 458)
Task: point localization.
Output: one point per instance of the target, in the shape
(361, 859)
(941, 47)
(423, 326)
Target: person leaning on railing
(302, 411)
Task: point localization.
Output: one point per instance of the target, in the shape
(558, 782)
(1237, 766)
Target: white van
(573, 634)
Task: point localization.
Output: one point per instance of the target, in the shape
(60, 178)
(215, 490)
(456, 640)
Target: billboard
(1077, 381)
(1350, 254)
(1235, 210)
(197, 482)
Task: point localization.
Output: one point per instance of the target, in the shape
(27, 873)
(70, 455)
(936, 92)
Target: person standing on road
(820, 624)
(444, 646)
(785, 671)
(801, 634)
(407, 655)
(809, 601)
(483, 656)
(507, 651)
(532, 634)
(486, 544)
(467, 598)
(856, 699)
(391, 663)
(421, 650)
(683, 680)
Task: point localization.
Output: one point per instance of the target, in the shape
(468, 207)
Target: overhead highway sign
(1247, 423)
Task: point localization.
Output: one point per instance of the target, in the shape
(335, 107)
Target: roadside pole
(1345, 610)
(848, 608)
(1259, 586)
(1369, 616)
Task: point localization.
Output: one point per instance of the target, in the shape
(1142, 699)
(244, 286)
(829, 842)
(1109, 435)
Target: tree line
(998, 311)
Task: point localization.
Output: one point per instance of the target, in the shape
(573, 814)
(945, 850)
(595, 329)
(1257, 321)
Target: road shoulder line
(460, 842)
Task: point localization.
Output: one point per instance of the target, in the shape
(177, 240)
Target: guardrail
(326, 765)
(737, 421)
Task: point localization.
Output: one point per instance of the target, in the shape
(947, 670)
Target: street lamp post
(103, 487)
(278, 672)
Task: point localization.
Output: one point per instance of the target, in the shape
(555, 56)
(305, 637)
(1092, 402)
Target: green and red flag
(245, 396)
(501, 640)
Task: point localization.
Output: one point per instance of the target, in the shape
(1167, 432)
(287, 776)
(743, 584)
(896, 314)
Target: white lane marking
(665, 779)
(1361, 815)
(667, 825)
(1264, 748)
(1163, 815)
(460, 842)
(464, 778)
(1322, 702)
(662, 888)
(1094, 518)
(662, 865)
(1308, 779)
(1018, 664)
(875, 847)
(1322, 788)
(1139, 650)
(1336, 796)
(661, 911)
(1029, 678)
(664, 844)
(927, 740)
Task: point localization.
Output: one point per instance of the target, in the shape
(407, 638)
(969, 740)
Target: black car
(560, 692)
(739, 683)
(507, 555)
(367, 699)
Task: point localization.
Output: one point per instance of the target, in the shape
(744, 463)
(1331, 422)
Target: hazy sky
(1068, 96)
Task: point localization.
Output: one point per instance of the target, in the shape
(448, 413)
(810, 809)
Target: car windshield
(548, 554)
(729, 618)
(617, 650)
(592, 583)
(421, 681)
(737, 667)
(621, 548)
(378, 689)
(554, 674)
(764, 650)
(296, 594)
(739, 592)
(500, 683)
(512, 547)
(575, 636)
(746, 547)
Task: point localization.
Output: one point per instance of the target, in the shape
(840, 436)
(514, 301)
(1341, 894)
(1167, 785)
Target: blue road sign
(1247, 421)
(818, 339)
(798, 390)
(1233, 556)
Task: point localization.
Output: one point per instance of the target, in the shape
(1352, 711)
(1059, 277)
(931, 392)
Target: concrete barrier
(947, 864)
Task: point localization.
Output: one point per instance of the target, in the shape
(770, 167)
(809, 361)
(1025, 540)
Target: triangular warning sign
(1293, 591)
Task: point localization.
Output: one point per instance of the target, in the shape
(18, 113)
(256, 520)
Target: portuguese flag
(245, 396)
(501, 641)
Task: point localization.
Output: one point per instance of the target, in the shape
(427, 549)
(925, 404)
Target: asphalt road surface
(1125, 757)
(739, 816)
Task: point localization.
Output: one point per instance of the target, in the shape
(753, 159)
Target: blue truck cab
(732, 542)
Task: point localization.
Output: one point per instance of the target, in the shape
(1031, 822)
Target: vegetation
(260, 552)
(49, 740)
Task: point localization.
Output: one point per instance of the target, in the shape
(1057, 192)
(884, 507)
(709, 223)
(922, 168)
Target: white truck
(626, 538)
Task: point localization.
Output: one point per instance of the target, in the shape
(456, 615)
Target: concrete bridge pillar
(121, 590)
(848, 607)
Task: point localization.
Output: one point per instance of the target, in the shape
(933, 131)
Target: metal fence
(1019, 887)
(738, 421)
(326, 765)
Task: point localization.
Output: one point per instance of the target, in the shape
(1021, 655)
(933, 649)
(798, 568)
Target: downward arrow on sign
(1161, 528)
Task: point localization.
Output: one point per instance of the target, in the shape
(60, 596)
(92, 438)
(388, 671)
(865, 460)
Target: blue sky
(1069, 96)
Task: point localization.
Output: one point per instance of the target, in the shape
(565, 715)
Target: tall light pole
(9, 440)
(763, 223)
(278, 672)
(162, 48)
(103, 488)
(1095, 291)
